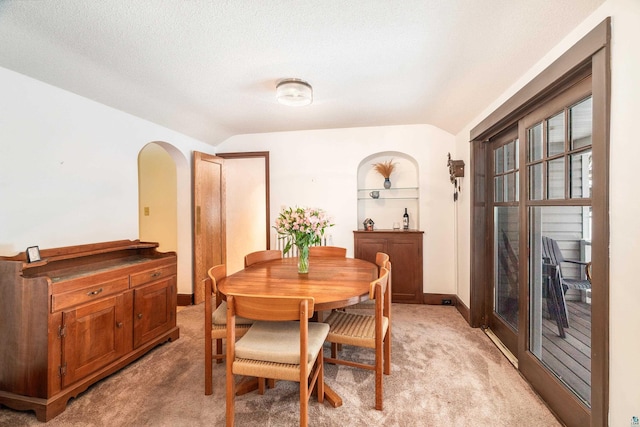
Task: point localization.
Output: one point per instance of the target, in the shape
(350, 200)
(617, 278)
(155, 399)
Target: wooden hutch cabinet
(78, 315)
(405, 253)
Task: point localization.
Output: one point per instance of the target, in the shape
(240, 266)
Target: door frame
(590, 55)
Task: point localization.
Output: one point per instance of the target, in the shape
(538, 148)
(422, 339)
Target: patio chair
(558, 283)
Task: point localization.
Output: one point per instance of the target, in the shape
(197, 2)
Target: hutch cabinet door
(406, 269)
(153, 310)
(367, 249)
(93, 336)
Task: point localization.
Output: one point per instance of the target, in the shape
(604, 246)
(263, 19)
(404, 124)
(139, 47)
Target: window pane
(555, 134)
(581, 116)
(498, 189)
(555, 179)
(499, 161)
(580, 175)
(535, 143)
(510, 156)
(535, 182)
(510, 187)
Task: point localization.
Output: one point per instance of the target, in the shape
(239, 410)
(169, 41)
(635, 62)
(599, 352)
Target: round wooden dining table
(333, 282)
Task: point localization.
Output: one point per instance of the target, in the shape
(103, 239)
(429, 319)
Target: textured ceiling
(208, 69)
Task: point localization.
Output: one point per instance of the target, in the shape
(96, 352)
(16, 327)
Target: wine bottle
(405, 220)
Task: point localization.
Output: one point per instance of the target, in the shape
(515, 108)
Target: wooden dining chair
(215, 324)
(281, 344)
(363, 330)
(382, 259)
(262, 256)
(328, 251)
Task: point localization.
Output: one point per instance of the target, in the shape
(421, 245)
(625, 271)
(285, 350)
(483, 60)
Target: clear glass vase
(303, 259)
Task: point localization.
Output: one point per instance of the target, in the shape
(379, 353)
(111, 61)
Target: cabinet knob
(139, 315)
(96, 292)
(119, 324)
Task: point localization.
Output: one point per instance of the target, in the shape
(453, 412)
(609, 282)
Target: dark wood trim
(463, 310)
(479, 270)
(545, 84)
(185, 299)
(436, 299)
(601, 66)
(265, 155)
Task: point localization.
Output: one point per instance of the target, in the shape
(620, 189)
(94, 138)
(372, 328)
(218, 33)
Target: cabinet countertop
(389, 230)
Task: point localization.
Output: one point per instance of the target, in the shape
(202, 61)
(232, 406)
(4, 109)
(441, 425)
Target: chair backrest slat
(271, 308)
(329, 251)
(262, 256)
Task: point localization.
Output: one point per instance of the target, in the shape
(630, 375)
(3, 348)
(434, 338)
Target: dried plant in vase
(385, 169)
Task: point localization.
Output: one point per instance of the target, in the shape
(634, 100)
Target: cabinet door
(94, 336)
(406, 269)
(367, 248)
(154, 308)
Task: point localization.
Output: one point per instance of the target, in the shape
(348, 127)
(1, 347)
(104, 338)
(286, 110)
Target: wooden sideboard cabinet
(78, 315)
(405, 253)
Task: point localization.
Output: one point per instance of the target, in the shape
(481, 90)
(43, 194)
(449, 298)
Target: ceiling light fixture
(294, 92)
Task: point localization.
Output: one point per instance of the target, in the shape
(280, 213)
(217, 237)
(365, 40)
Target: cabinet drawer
(147, 276)
(88, 294)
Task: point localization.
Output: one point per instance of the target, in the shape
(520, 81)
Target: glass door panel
(560, 303)
(505, 268)
(505, 294)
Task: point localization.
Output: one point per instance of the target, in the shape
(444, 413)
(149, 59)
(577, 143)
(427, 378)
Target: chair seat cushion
(354, 329)
(220, 316)
(279, 342)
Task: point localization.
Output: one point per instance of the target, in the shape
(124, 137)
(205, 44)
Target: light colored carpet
(444, 373)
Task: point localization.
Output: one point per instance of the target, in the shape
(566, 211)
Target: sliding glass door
(559, 162)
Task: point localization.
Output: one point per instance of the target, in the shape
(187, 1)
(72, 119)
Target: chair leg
(378, 372)
(387, 352)
(304, 402)
(231, 393)
(219, 350)
(320, 380)
(261, 386)
(208, 369)
(334, 350)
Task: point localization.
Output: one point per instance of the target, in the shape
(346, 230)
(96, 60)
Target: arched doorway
(164, 207)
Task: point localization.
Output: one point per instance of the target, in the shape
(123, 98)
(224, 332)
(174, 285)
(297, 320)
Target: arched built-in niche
(164, 186)
(389, 207)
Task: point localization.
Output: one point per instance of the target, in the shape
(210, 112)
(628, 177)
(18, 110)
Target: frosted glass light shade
(294, 92)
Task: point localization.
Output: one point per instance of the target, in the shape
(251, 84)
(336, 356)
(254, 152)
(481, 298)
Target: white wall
(319, 168)
(69, 170)
(624, 386)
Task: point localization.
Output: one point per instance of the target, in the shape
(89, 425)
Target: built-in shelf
(407, 193)
(387, 209)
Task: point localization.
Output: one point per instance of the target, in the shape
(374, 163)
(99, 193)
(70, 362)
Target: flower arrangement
(306, 226)
(385, 168)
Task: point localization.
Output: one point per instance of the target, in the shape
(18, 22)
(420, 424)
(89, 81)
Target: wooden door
(94, 336)
(209, 218)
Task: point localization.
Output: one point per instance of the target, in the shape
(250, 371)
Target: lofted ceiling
(208, 68)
